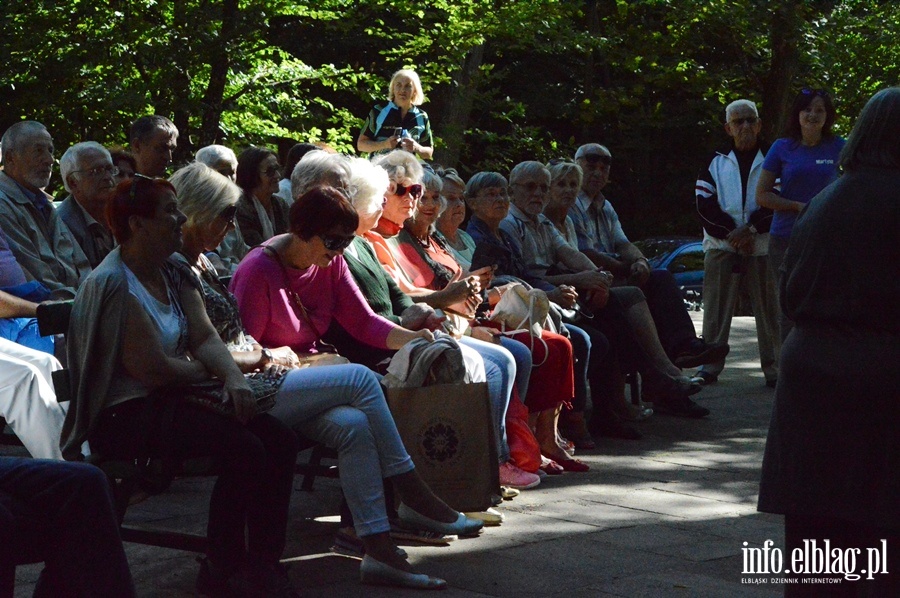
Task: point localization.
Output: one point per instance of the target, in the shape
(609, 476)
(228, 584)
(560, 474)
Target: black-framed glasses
(99, 171)
(271, 171)
(414, 191)
(597, 158)
(336, 242)
(747, 120)
(810, 91)
(228, 214)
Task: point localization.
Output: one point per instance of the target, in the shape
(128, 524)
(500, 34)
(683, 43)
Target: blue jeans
(343, 407)
(501, 365)
(62, 513)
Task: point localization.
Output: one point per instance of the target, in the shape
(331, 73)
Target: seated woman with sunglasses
(504, 366)
(288, 292)
(135, 320)
(551, 384)
(261, 213)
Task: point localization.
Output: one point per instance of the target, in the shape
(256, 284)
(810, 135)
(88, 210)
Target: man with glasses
(89, 175)
(736, 240)
(601, 238)
(39, 239)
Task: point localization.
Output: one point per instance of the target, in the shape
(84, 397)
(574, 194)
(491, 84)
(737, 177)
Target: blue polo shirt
(804, 172)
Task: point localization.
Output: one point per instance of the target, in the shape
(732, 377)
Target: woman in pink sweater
(288, 291)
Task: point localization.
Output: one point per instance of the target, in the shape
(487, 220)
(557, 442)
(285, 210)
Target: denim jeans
(343, 407)
(502, 367)
(62, 513)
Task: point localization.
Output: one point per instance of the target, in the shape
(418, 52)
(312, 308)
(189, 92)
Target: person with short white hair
(319, 168)
(40, 240)
(89, 175)
(219, 158)
(736, 241)
(399, 124)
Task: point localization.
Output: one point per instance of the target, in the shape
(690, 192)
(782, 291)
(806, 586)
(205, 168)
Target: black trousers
(61, 513)
(256, 465)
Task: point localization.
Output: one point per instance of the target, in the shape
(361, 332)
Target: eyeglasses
(748, 120)
(228, 214)
(270, 171)
(808, 91)
(414, 191)
(595, 158)
(432, 199)
(99, 171)
(335, 242)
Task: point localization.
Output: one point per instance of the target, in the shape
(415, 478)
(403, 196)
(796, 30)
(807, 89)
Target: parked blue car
(683, 257)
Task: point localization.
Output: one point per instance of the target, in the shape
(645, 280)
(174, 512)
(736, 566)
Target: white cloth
(284, 191)
(27, 400)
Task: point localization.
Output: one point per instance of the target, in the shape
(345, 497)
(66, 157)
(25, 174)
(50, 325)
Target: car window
(689, 260)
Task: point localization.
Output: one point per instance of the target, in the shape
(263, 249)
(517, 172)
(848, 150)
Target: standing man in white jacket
(736, 241)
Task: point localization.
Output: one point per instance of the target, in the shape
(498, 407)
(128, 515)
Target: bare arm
(767, 198)
(399, 336)
(14, 307)
(367, 145)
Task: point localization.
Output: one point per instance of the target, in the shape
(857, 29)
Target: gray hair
(591, 148)
(450, 174)
(399, 164)
(203, 193)
(16, 135)
(484, 180)
(211, 155)
(418, 96)
(529, 168)
(432, 182)
(318, 168)
(564, 169)
(368, 184)
(733, 106)
(70, 160)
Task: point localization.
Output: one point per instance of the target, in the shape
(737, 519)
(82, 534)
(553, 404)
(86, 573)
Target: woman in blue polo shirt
(806, 161)
(399, 123)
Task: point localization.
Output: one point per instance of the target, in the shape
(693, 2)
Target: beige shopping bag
(449, 433)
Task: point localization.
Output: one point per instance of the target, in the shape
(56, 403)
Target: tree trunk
(459, 108)
(218, 75)
(778, 94)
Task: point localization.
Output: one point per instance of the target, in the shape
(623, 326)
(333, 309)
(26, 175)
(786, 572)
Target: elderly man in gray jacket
(41, 242)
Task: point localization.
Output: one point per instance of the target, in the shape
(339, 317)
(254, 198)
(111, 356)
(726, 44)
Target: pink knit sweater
(273, 319)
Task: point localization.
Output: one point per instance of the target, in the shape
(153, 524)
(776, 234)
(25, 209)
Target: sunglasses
(595, 158)
(134, 179)
(807, 91)
(228, 214)
(749, 120)
(414, 191)
(335, 242)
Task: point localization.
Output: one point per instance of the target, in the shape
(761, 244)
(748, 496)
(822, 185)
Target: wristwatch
(268, 357)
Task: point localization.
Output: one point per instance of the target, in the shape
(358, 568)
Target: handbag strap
(297, 304)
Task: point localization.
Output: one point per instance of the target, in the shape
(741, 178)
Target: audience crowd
(285, 290)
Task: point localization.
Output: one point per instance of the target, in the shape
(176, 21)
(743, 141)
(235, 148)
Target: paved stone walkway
(663, 516)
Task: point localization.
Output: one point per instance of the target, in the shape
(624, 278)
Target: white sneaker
(491, 517)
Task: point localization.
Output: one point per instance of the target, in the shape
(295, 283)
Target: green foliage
(505, 80)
